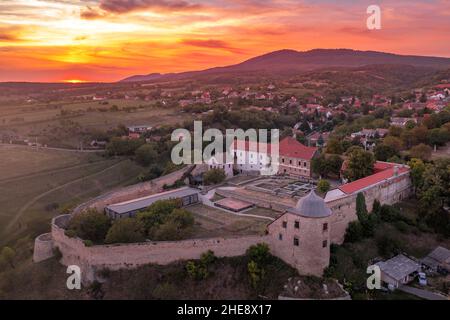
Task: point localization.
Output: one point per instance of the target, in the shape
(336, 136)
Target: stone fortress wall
(132, 192)
(311, 261)
(386, 192)
(127, 256)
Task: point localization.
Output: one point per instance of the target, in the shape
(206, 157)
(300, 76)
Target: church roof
(311, 206)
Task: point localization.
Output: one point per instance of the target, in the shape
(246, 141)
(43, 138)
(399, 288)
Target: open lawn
(20, 161)
(38, 185)
(211, 222)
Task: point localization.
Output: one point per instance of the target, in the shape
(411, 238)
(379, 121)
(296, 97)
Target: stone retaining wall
(132, 192)
(128, 256)
(43, 247)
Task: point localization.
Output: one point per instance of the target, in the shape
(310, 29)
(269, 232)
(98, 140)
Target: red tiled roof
(443, 86)
(289, 147)
(379, 175)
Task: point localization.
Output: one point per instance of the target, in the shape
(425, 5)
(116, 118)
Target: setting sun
(74, 81)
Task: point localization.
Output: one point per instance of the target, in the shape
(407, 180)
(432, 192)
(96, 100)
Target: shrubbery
(89, 225)
(127, 230)
(214, 176)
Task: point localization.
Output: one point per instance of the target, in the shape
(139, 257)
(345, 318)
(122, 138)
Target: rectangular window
(282, 160)
(297, 225)
(296, 242)
(285, 224)
(290, 161)
(280, 236)
(324, 243)
(325, 226)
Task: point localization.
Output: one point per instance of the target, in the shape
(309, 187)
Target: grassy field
(211, 222)
(38, 185)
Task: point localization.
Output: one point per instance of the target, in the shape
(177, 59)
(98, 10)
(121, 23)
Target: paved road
(424, 294)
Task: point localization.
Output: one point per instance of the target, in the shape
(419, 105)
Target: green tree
(319, 165)
(146, 154)
(323, 186)
(90, 225)
(118, 146)
(421, 151)
(393, 142)
(361, 208)
(383, 152)
(256, 274)
(354, 232)
(360, 163)
(126, 230)
(260, 253)
(334, 164)
(157, 213)
(334, 146)
(438, 136)
(214, 176)
(417, 168)
(7, 256)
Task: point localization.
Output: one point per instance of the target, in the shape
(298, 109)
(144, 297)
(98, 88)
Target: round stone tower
(301, 236)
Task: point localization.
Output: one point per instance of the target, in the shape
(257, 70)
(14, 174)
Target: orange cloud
(120, 6)
(106, 40)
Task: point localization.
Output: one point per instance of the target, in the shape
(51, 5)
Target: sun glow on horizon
(74, 81)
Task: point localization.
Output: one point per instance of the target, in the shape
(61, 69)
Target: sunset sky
(107, 40)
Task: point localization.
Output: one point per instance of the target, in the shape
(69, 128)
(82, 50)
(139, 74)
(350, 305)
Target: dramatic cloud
(51, 40)
(124, 6)
(90, 13)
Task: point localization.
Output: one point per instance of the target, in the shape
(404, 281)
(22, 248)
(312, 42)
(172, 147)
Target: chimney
(395, 170)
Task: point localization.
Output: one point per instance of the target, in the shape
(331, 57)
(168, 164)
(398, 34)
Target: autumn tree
(360, 164)
(421, 151)
(126, 230)
(323, 186)
(90, 225)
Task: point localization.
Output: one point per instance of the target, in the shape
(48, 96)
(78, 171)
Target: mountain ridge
(291, 61)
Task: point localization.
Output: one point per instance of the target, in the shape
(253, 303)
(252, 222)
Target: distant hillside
(291, 61)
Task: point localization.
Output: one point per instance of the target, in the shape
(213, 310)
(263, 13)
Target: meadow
(38, 184)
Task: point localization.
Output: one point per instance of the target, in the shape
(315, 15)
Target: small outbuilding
(127, 209)
(437, 260)
(398, 271)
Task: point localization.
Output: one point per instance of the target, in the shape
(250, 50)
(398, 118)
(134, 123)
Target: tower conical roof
(312, 206)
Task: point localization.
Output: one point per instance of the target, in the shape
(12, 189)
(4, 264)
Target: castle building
(294, 158)
(389, 184)
(301, 236)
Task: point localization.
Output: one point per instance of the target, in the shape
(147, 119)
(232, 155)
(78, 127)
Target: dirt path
(424, 294)
(40, 196)
(46, 172)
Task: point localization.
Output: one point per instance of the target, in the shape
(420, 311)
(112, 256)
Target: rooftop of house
(398, 267)
(288, 147)
(141, 203)
(440, 254)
